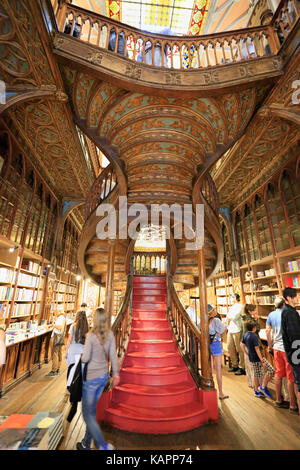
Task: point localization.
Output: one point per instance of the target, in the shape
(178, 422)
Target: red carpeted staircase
(156, 394)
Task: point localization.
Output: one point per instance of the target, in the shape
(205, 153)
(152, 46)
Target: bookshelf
(223, 291)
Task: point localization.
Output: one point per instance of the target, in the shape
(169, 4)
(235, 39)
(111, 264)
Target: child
(260, 366)
(216, 330)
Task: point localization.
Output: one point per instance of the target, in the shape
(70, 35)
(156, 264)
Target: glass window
(279, 224)
(240, 240)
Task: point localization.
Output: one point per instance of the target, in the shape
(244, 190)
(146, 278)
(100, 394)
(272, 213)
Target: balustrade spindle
(165, 52)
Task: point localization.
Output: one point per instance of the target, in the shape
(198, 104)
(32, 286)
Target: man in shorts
(282, 367)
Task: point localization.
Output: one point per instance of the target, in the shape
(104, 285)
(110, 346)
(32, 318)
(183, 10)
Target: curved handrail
(188, 337)
(101, 189)
(179, 52)
(209, 192)
(122, 323)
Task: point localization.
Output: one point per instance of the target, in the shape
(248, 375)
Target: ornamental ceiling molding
(277, 108)
(256, 167)
(24, 60)
(120, 71)
(44, 127)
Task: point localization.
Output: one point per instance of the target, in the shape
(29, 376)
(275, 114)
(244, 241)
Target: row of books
(222, 310)
(5, 293)
(31, 266)
(266, 299)
(28, 294)
(292, 265)
(24, 309)
(28, 281)
(64, 288)
(292, 281)
(6, 275)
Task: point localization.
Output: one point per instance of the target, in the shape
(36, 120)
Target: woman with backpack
(216, 330)
(99, 348)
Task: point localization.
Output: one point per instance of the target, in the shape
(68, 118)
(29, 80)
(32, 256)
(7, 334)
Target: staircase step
(144, 291)
(156, 287)
(146, 396)
(149, 280)
(144, 376)
(148, 314)
(149, 298)
(149, 322)
(137, 305)
(158, 345)
(151, 333)
(151, 420)
(152, 359)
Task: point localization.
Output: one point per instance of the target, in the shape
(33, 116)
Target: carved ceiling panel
(270, 141)
(45, 128)
(162, 140)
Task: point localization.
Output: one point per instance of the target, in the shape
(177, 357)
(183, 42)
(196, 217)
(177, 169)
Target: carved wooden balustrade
(188, 337)
(102, 187)
(209, 193)
(122, 324)
(149, 264)
(179, 52)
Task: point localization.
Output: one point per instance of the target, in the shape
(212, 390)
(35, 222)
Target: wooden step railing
(179, 52)
(149, 263)
(122, 324)
(101, 189)
(188, 338)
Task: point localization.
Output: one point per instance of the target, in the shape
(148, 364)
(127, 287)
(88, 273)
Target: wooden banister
(122, 324)
(101, 189)
(179, 52)
(188, 337)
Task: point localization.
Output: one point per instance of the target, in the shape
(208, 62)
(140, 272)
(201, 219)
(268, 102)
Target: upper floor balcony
(193, 63)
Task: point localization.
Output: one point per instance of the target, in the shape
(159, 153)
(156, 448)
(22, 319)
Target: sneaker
(57, 372)
(265, 391)
(51, 374)
(259, 394)
(81, 446)
(294, 410)
(233, 369)
(279, 404)
(107, 446)
(240, 372)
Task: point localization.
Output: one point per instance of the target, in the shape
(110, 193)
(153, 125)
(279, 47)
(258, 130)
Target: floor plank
(245, 422)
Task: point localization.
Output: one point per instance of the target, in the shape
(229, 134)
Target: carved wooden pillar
(110, 278)
(205, 343)
(61, 14)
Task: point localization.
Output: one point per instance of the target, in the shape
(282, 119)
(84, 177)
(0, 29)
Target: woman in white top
(216, 330)
(76, 337)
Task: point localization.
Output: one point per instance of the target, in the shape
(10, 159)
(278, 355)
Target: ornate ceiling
(271, 139)
(45, 126)
(162, 141)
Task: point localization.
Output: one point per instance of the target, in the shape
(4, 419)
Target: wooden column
(110, 278)
(205, 343)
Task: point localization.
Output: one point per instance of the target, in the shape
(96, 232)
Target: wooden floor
(245, 422)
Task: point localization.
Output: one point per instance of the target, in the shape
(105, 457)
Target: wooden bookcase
(223, 290)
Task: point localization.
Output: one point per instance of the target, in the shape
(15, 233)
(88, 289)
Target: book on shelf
(6, 275)
(5, 293)
(30, 266)
(293, 265)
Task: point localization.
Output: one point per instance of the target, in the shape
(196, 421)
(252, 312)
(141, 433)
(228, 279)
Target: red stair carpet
(156, 394)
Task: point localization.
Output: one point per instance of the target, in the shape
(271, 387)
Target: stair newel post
(206, 372)
(110, 278)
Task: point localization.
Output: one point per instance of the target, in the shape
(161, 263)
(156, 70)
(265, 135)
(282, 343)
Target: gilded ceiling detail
(162, 140)
(270, 141)
(45, 125)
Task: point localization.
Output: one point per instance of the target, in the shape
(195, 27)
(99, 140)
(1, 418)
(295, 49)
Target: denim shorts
(216, 348)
